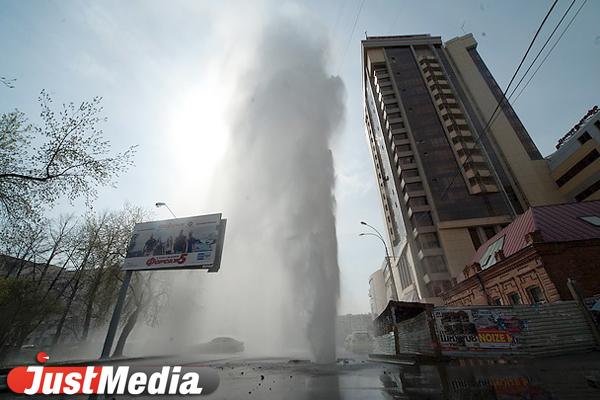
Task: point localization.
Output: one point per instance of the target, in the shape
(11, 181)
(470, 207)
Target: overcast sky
(159, 65)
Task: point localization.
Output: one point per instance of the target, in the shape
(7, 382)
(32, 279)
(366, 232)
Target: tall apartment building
(445, 184)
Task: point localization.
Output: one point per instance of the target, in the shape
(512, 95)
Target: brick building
(531, 259)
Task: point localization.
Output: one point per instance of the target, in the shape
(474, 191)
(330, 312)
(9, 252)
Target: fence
(519, 330)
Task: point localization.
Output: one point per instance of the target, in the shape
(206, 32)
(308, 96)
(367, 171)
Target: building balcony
(459, 133)
(396, 143)
(398, 134)
(435, 90)
(417, 209)
(399, 154)
(455, 121)
(391, 111)
(477, 173)
(431, 72)
(448, 101)
(483, 188)
(474, 158)
(419, 230)
(465, 145)
(411, 179)
(381, 73)
(435, 251)
(413, 193)
(387, 90)
(383, 82)
(428, 60)
(390, 100)
(452, 110)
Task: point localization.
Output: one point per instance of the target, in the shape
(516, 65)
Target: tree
(66, 155)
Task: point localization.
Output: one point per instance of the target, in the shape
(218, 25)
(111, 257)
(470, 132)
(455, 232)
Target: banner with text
(180, 243)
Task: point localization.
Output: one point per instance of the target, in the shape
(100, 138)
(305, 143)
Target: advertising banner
(477, 329)
(180, 243)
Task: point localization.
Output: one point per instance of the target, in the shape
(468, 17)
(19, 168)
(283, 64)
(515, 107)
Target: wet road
(357, 378)
(565, 378)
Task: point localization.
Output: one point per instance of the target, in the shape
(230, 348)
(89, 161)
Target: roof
(557, 223)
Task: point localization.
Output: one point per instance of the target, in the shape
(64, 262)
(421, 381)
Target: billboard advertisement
(179, 243)
(477, 329)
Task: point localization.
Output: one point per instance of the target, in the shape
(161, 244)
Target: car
(221, 344)
(359, 342)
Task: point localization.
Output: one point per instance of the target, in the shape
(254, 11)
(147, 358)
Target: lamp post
(161, 204)
(387, 256)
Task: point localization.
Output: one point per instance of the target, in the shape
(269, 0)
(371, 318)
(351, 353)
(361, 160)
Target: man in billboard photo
(149, 246)
(180, 244)
(169, 245)
(191, 242)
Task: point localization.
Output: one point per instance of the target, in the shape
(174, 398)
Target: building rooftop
(556, 223)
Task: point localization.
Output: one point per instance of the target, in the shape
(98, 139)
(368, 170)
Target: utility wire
(540, 53)
(550, 51)
(341, 62)
(542, 49)
(337, 19)
(501, 102)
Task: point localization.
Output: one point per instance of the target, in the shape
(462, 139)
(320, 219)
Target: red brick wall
(577, 260)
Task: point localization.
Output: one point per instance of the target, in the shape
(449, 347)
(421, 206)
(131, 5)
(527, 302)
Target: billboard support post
(114, 321)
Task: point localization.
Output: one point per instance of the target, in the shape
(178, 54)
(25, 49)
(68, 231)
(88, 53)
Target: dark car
(221, 345)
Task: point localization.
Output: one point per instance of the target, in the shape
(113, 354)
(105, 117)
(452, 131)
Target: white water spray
(279, 283)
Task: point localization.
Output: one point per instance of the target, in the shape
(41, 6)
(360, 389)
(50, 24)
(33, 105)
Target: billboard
(180, 243)
(464, 329)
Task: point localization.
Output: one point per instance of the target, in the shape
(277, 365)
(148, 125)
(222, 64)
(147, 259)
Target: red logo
(167, 260)
(41, 357)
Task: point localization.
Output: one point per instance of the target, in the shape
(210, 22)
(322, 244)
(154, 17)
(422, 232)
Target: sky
(165, 70)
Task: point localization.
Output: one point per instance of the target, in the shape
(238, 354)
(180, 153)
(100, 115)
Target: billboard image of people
(175, 243)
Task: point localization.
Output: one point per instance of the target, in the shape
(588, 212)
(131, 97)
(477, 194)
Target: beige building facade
(575, 165)
(448, 180)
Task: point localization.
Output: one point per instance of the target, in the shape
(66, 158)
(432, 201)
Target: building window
(585, 136)
(434, 264)
(417, 201)
(536, 295)
(489, 232)
(475, 238)
(414, 186)
(429, 240)
(489, 257)
(577, 168)
(421, 219)
(588, 192)
(497, 301)
(597, 124)
(592, 219)
(514, 298)
(409, 173)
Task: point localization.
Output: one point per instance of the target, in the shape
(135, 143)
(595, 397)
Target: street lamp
(161, 204)
(387, 255)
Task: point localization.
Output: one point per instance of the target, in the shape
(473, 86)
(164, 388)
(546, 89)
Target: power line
(351, 35)
(540, 52)
(543, 47)
(501, 102)
(550, 51)
(337, 19)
